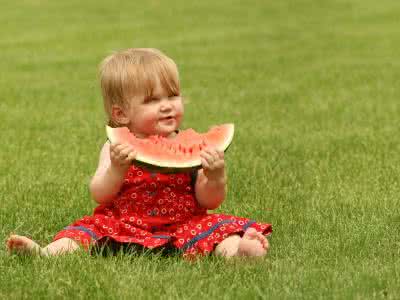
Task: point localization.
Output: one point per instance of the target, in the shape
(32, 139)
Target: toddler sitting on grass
(141, 90)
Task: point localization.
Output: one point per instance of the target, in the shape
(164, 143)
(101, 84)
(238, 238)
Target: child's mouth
(167, 118)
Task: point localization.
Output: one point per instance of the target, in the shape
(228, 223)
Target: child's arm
(114, 161)
(210, 187)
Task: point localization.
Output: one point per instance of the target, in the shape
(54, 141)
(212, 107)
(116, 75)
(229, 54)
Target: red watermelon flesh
(179, 152)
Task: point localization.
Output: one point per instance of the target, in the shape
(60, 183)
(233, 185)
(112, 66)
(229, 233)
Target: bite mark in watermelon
(179, 153)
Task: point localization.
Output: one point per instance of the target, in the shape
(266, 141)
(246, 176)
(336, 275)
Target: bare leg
(252, 243)
(228, 247)
(61, 246)
(25, 246)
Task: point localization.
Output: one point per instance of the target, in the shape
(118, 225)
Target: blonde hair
(135, 72)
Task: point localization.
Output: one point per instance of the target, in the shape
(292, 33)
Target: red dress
(155, 209)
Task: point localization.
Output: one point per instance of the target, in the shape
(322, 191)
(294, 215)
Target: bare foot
(253, 243)
(22, 245)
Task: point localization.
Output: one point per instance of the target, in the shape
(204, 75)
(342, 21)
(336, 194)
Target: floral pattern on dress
(157, 209)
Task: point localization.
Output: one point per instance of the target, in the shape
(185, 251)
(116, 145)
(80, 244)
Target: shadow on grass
(111, 248)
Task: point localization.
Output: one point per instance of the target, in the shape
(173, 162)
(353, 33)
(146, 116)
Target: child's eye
(156, 99)
(173, 97)
(151, 99)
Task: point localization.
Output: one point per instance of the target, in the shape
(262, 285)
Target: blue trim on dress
(161, 237)
(204, 234)
(248, 224)
(84, 229)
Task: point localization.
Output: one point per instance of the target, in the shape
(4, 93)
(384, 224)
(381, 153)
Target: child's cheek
(179, 113)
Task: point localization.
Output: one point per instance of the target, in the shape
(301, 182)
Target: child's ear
(118, 115)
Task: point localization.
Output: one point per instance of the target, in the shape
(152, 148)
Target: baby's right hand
(121, 156)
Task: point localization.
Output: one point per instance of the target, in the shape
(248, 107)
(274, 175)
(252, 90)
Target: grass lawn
(313, 88)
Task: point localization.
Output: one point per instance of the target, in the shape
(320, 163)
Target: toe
(17, 242)
(265, 244)
(250, 234)
(263, 252)
(10, 241)
(251, 248)
(263, 240)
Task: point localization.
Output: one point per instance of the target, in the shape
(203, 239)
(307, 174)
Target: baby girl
(141, 91)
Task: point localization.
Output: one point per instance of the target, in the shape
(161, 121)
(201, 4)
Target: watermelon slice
(176, 154)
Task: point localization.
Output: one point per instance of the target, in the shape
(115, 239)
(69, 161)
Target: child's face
(161, 114)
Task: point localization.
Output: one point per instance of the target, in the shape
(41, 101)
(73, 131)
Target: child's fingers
(204, 164)
(220, 154)
(131, 156)
(121, 151)
(125, 151)
(122, 147)
(116, 149)
(208, 158)
(116, 146)
(122, 154)
(210, 150)
(213, 159)
(217, 155)
(113, 146)
(205, 154)
(219, 164)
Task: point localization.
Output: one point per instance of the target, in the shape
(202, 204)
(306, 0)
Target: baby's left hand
(213, 164)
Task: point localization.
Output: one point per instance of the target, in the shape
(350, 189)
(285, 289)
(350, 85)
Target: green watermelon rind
(171, 167)
(158, 169)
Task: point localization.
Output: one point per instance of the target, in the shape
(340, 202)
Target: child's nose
(165, 104)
